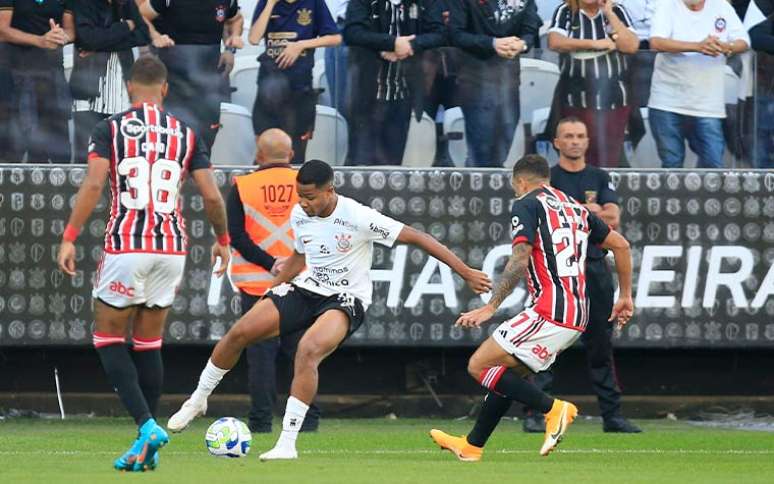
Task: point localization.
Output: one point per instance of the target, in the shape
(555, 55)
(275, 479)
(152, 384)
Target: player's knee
(475, 367)
(308, 355)
(237, 336)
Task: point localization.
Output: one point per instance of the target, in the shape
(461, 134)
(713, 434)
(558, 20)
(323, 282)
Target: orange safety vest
(268, 196)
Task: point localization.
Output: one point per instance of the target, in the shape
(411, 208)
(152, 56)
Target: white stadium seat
(331, 137)
(235, 142)
(420, 145)
(244, 78)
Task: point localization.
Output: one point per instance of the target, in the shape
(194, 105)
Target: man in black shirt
(187, 35)
(492, 36)
(592, 187)
(387, 38)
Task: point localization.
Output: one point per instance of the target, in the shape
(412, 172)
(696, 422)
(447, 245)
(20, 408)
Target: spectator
(7, 153)
(693, 38)
(33, 34)
(254, 220)
(107, 30)
(387, 39)
(188, 43)
(592, 36)
(492, 35)
(640, 13)
(759, 21)
(286, 98)
(336, 58)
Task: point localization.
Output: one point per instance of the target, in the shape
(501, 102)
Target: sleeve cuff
(521, 239)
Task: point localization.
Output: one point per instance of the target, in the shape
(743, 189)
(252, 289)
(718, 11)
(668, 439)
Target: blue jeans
(704, 135)
(764, 142)
(489, 130)
(336, 75)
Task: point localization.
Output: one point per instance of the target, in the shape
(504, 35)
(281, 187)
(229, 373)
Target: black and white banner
(703, 245)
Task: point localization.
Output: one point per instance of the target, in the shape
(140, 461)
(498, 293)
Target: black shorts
(299, 308)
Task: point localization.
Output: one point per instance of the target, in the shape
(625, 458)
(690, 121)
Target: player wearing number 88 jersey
(146, 154)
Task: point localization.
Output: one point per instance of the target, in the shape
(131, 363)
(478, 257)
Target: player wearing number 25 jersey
(551, 235)
(146, 154)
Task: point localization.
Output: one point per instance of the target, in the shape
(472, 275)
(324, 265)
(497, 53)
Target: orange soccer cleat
(558, 419)
(459, 446)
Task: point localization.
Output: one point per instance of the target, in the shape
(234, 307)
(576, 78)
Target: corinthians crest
(304, 17)
(343, 243)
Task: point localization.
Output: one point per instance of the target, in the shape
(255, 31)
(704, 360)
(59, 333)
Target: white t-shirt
(339, 248)
(691, 83)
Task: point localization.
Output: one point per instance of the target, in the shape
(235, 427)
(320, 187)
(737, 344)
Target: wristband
(224, 239)
(70, 233)
(231, 49)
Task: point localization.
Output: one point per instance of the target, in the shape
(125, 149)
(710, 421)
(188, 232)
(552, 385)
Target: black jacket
(100, 27)
(473, 26)
(366, 31)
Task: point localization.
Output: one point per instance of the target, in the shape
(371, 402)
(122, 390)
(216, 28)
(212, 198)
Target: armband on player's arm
(224, 239)
(70, 233)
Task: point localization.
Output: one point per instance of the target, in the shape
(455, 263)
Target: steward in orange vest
(261, 234)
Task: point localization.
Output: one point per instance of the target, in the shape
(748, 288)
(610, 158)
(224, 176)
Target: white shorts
(534, 340)
(135, 278)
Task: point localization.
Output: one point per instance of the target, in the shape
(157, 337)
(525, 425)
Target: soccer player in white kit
(146, 153)
(334, 237)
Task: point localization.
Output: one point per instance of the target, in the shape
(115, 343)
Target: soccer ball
(228, 437)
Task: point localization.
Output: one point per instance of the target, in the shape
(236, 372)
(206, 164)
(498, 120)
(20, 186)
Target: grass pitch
(388, 451)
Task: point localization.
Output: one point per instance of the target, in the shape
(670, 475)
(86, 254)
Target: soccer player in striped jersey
(551, 232)
(146, 153)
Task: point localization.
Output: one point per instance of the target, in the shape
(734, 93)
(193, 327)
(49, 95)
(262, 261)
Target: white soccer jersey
(339, 248)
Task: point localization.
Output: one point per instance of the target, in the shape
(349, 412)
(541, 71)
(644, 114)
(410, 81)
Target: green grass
(379, 450)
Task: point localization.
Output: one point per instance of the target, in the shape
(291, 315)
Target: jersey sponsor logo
(345, 223)
(119, 288)
(220, 13)
(379, 230)
(591, 196)
(343, 243)
(541, 352)
(304, 17)
(133, 128)
(324, 250)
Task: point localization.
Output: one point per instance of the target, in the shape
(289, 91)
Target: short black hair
(568, 120)
(148, 70)
(316, 172)
(533, 166)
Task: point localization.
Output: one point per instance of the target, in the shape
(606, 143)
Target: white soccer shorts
(534, 340)
(134, 278)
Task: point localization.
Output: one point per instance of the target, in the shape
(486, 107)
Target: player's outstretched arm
(515, 269)
(624, 307)
(215, 209)
(85, 201)
(477, 280)
(290, 268)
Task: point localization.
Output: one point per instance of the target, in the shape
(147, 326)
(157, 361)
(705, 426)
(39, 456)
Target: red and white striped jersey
(559, 230)
(150, 153)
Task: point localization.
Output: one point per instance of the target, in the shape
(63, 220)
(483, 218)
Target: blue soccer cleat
(143, 455)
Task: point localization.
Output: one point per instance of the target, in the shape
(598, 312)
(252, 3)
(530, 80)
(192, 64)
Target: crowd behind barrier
(476, 83)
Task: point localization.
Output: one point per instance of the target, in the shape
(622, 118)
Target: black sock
(150, 372)
(511, 385)
(122, 374)
(492, 410)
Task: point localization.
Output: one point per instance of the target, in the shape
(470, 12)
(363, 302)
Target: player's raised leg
(320, 340)
(261, 322)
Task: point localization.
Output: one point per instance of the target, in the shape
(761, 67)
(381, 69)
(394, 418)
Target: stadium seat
(420, 145)
(235, 142)
(331, 137)
(454, 122)
(244, 78)
(319, 81)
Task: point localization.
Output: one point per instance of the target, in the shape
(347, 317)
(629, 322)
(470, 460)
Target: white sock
(209, 379)
(295, 411)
